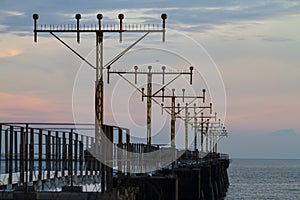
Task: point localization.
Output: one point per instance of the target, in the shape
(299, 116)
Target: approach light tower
(150, 73)
(173, 113)
(99, 31)
(187, 117)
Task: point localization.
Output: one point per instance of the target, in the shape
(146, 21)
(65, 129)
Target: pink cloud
(26, 107)
(249, 115)
(9, 53)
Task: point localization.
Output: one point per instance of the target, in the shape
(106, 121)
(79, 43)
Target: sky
(250, 48)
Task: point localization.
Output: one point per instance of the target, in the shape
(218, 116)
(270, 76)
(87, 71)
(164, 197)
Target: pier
(42, 160)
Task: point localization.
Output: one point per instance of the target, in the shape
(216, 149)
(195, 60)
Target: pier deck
(42, 160)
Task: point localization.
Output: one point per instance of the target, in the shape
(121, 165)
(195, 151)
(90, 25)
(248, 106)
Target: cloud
(6, 13)
(284, 132)
(251, 114)
(26, 107)
(274, 38)
(193, 13)
(9, 53)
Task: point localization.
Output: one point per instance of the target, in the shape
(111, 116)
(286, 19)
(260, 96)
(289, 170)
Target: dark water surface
(264, 179)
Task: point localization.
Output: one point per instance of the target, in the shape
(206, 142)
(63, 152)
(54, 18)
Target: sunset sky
(251, 46)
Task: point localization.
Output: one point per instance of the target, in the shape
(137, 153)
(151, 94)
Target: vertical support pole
(121, 17)
(173, 129)
(22, 155)
(26, 158)
(149, 105)
(31, 156)
(216, 144)
(195, 129)
(99, 100)
(206, 138)
(128, 150)
(173, 122)
(92, 152)
(53, 153)
(11, 138)
(57, 153)
(0, 147)
(87, 156)
(215, 140)
(210, 141)
(16, 151)
(103, 166)
(186, 127)
(109, 173)
(70, 157)
(48, 153)
(120, 157)
(40, 146)
(81, 155)
(98, 154)
(35, 17)
(64, 154)
(78, 17)
(6, 151)
(202, 132)
(164, 17)
(75, 153)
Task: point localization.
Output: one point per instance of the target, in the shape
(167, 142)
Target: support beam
(48, 154)
(173, 122)
(6, 151)
(22, 146)
(31, 155)
(64, 154)
(1, 146)
(11, 145)
(149, 102)
(186, 128)
(16, 153)
(70, 157)
(40, 148)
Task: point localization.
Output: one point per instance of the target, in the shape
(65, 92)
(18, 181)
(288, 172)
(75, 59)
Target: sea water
(264, 179)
